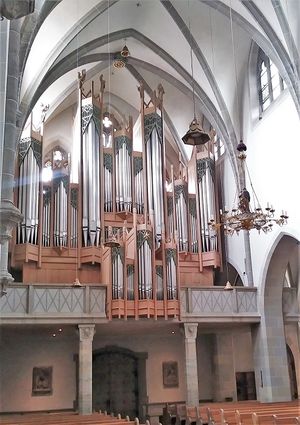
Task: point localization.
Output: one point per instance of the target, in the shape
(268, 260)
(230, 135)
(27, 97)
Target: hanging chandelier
(120, 58)
(195, 135)
(244, 216)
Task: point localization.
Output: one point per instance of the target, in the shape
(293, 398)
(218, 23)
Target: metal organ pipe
(206, 190)
(60, 215)
(155, 181)
(171, 274)
(46, 215)
(144, 253)
(130, 282)
(170, 223)
(160, 284)
(28, 196)
(117, 274)
(91, 184)
(139, 184)
(181, 214)
(74, 217)
(108, 170)
(193, 225)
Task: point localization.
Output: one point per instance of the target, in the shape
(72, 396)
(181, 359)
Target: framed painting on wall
(170, 374)
(42, 380)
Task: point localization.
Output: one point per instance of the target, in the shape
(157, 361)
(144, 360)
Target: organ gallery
(131, 220)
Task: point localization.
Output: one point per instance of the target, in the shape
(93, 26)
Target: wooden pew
(263, 418)
(286, 420)
(189, 415)
(60, 419)
(232, 413)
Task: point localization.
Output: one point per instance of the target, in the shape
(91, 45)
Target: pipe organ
(118, 225)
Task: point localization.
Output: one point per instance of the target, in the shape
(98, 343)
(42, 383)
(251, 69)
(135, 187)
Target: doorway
(116, 381)
(245, 386)
(292, 373)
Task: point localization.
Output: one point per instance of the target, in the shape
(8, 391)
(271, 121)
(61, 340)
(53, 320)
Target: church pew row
(79, 420)
(229, 415)
(286, 421)
(260, 417)
(68, 419)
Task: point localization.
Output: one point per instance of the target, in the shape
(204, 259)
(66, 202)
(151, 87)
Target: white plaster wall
(205, 366)
(159, 349)
(20, 354)
(273, 162)
(242, 350)
(59, 130)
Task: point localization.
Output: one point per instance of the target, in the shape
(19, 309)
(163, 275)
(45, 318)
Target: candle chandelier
(244, 216)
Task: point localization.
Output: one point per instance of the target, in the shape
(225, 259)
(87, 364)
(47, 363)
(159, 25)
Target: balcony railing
(290, 304)
(53, 301)
(239, 304)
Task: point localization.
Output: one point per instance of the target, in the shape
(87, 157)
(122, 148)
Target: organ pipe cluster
(120, 206)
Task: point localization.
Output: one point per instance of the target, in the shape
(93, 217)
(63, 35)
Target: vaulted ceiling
(63, 37)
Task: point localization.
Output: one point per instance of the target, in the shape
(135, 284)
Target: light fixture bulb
(228, 286)
(125, 52)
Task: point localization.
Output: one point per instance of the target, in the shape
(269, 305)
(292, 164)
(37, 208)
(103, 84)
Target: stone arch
(270, 354)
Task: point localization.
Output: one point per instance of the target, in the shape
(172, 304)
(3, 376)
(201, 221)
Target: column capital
(190, 330)
(10, 217)
(86, 332)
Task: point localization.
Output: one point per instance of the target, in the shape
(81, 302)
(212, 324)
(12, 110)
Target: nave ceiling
(69, 35)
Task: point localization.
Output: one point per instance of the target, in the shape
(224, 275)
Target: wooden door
(115, 382)
(245, 386)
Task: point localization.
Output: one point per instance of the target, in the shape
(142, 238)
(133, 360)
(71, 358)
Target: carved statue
(244, 200)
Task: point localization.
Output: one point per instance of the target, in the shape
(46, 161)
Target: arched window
(219, 147)
(270, 84)
(56, 163)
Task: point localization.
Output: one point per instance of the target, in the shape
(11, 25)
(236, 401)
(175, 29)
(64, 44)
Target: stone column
(270, 360)
(191, 369)
(224, 373)
(269, 340)
(86, 335)
(9, 214)
(248, 259)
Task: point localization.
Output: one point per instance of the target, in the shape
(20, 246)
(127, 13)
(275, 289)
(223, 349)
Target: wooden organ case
(118, 225)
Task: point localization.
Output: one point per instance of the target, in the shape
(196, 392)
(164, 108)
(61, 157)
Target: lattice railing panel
(40, 301)
(217, 301)
(97, 301)
(211, 302)
(246, 302)
(58, 300)
(15, 301)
